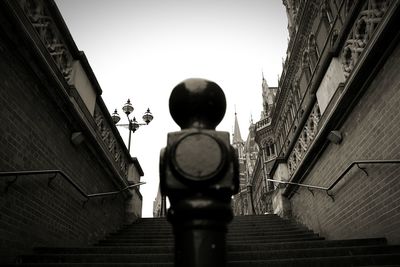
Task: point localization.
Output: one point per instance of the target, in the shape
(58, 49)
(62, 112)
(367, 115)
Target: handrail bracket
(331, 195)
(84, 202)
(51, 178)
(364, 169)
(311, 191)
(9, 183)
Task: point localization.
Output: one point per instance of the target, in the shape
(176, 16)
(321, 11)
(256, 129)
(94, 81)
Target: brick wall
(364, 206)
(34, 135)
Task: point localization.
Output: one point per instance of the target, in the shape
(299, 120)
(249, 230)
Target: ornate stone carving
(363, 29)
(110, 141)
(326, 12)
(49, 34)
(305, 139)
(313, 51)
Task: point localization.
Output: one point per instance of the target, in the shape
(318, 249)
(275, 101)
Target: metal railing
(342, 175)
(62, 174)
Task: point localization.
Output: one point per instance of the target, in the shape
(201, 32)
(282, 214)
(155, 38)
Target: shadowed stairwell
(264, 240)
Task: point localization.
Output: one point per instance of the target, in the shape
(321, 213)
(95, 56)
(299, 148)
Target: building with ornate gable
(329, 141)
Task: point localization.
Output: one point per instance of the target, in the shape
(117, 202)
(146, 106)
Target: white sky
(141, 49)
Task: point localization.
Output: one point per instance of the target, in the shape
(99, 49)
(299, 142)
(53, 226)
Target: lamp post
(133, 124)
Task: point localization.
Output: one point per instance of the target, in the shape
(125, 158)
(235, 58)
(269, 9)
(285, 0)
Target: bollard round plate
(198, 157)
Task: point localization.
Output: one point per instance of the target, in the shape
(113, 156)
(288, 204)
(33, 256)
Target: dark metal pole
(130, 133)
(200, 238)
(250, 193)
(163, 212)
(199, 173)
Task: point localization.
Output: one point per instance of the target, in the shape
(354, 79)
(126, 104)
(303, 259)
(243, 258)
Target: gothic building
(262, 188)
(253, 186)
(329, 135)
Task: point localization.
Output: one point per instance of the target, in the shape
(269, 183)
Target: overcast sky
(141, 49)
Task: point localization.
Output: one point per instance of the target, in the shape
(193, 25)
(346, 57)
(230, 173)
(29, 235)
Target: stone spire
(237, 141)
(265, 91)
(268, 95)
(237, 138)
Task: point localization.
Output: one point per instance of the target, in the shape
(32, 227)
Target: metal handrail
(67, 178)
(329, 188)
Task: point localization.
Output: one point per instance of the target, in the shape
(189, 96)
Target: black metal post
(251, 201)
(130, 133)
(199, 174)
(163, 211)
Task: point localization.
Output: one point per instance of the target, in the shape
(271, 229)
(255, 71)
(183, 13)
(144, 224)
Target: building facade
(330, 148)
(255, 192)
(65, 171)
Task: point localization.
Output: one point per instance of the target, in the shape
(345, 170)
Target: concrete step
(309, 244)
(276, 240)
(231, 247)
(236, 235)
(106, 250)
(229, 234)
(125, 242)
(342, 261)
(117, 256)
(99, 258)
(312, 253)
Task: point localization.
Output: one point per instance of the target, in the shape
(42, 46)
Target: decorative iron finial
(197, 103)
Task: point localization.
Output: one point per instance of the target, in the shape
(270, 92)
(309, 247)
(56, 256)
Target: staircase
(265, 240)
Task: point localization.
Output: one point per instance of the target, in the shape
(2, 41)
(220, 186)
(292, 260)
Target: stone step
(263, 225)
(309, 244)
(117, 257)
(282, 234)
(335, 261)
(230, 247)
(312, 253)
(99, 258)
(229, 238)
(342, 261)
(106, 250)
(255, 232)
(160, 242)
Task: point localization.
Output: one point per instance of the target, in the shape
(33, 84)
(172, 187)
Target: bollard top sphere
(197, 103)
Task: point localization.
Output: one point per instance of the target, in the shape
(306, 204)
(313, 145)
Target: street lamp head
(127, 108)
(147, 117)
(115, 117)
(134, 125)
